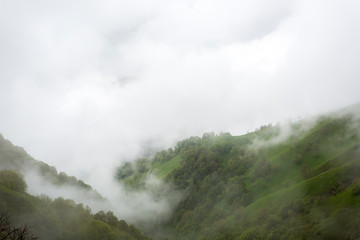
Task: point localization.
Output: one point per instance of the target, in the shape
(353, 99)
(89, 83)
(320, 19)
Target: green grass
(163, 169)
(297, 187)
(345, 199)
(317, 185)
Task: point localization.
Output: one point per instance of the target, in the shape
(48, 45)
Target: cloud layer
(85, 85)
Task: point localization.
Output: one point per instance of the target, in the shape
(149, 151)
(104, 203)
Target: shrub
(355, 189)
(13, 180)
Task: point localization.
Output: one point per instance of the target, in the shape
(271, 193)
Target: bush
(262, 169)
(251, 234)
(355, 190)
(13, 180)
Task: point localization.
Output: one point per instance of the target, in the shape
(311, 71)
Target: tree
(12, 180)
(7, 231)
(124, 171)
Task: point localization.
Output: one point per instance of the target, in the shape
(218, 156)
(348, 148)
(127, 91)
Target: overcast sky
(88, 84)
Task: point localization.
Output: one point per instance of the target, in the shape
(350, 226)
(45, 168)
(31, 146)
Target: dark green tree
(13, 180)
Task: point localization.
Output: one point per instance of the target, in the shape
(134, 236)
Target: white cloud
(85, 84)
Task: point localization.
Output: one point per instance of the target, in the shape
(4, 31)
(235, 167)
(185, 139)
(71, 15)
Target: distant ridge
(16, 158)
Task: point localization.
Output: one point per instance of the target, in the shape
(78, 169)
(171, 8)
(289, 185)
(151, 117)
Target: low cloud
(147, 208)
(269, 135)
(84, 85)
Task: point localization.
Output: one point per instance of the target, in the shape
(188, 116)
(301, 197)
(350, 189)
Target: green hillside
(45, 218)
(16, 158)
(296, 182)
(56, 219)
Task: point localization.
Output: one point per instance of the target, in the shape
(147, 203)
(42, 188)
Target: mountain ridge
(57, 217)
(294, 181)
(234, 184)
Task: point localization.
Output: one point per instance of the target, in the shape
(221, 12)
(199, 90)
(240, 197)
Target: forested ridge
(57, 219)
(24, 216)
(301, 182)
(15, 158)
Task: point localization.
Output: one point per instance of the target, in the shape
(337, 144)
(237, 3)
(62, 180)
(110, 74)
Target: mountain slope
(53, 219)
(15, 158)
(301, 181)
(59, 218)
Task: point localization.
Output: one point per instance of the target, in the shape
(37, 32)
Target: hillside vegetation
(16, 158)
(40, 217)
(296, 182)
(56, 219)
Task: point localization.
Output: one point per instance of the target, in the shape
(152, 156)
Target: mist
(146, 208)
(88, 85)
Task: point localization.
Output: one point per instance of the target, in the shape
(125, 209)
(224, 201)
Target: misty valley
(294, 180)
(179, 120)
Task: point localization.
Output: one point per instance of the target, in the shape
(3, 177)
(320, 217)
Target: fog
(146, 208)
(87, 85)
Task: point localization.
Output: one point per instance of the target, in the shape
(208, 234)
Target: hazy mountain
(15, 158)
(48, 218)
(298, 180)
(55, 219)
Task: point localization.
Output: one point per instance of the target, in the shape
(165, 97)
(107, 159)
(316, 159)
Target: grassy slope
(311, 182)
(162, 170)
